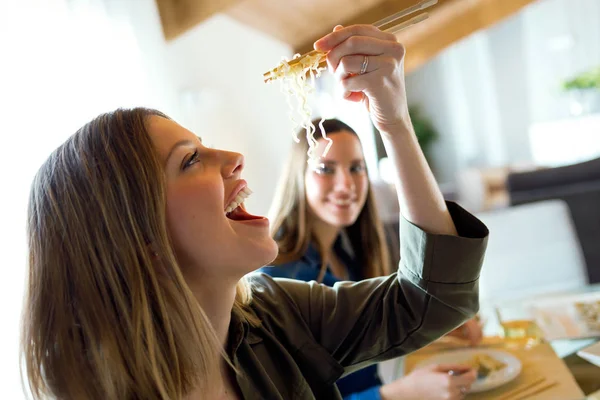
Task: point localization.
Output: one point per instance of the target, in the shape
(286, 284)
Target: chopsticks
(525, 391)
(523, 388)
(405, 13)
(379, 24)
(403, 25)
(542, 388)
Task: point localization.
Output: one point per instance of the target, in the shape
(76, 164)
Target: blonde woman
(327, 227)
(139, 245)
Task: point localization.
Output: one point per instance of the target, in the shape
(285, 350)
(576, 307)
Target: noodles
(298, 82)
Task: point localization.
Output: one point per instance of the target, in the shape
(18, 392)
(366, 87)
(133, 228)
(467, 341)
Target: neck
(216, 299)
(217, 302)
(325, 236)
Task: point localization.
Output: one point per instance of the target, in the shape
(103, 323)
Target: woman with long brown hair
(316, 202)
(139, 243)
(327, 227)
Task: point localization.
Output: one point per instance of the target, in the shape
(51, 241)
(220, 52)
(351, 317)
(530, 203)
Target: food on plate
(589, 313)
(484, 364)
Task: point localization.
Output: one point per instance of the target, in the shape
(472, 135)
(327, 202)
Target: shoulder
(262, 283)
(275, 300)
(276, 295)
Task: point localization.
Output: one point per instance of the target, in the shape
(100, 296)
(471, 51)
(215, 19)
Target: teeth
(232, 206)
(239, 199)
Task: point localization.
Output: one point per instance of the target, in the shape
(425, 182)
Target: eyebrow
(185, 142)
(330, 162)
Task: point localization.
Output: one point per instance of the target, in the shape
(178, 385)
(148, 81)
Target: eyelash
(190, 161)
(325, 170)
(322, 170)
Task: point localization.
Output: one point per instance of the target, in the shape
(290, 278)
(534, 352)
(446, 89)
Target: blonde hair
(108, 313)
(292, 220)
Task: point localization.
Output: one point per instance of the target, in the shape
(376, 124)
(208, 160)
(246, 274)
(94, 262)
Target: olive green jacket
(312, 334)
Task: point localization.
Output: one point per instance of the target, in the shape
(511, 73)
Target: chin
(342, 222)
(261, 254)
(274, 251)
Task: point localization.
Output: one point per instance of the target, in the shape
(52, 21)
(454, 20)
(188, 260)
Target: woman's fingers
(361, 64)
(363, 46)
(461, 383)
(356, 45)
(471, 331)
(369, 64)
(465, 379)
(354, 65)
(331, 40)
(460, 375)
(451, 369)
(379, 68)
(356, 97)
(458, 378)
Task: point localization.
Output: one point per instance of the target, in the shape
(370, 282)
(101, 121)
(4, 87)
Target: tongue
(240, 214)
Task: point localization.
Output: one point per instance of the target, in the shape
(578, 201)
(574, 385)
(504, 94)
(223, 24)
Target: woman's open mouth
(236, 210)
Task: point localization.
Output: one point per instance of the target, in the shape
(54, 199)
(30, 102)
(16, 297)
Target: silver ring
(364, 66)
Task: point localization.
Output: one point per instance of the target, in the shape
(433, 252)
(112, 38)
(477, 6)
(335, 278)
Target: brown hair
(292, 222)
(108, 313)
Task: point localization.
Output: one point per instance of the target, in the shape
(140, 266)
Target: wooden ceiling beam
(296, 23)
(449, 22)
(383, 9)
(178, 16)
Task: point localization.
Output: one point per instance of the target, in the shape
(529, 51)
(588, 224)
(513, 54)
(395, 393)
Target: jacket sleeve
(361, 323)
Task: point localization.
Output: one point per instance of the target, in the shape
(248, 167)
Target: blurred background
(504, 95)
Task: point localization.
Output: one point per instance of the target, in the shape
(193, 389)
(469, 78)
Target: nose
(233, 164)
(344, 180)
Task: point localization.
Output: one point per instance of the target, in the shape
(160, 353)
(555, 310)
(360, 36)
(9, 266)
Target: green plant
(586, 80)
(424, 129)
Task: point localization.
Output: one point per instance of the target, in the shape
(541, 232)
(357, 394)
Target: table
(586, 374)
(544, 376)
(593, 396)
(521, 309)
(556, 359)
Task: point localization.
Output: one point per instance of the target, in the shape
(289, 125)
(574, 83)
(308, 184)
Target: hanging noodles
(297, 83)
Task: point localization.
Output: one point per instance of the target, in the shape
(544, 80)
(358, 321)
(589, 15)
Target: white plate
(591, 354)
(493, 380)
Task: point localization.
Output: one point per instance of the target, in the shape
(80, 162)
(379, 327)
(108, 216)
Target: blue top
(360, 385)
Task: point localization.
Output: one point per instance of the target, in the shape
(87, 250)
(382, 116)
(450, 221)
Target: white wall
(561, 39)
(428, 89)
(509, 61)
(62, 62)
(217, 68)
(484, 92)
